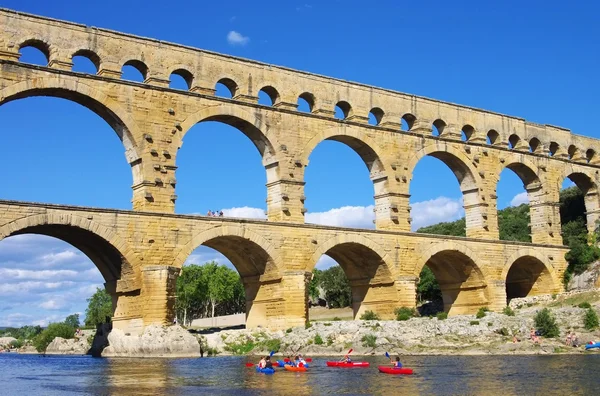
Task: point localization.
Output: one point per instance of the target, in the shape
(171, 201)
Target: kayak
(345, 364)
(292, 368)
(265, 370)
(590, 346)
(394, 370)
(307, 360)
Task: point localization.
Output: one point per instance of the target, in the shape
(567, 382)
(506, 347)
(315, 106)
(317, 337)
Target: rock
(73, 346)
(587, 279)
(5, 342)
(155, 341)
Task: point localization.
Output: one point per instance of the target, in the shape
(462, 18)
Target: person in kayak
(268, 363)
(397, 363)
(299, 361)
(263, 362)
(346, 359)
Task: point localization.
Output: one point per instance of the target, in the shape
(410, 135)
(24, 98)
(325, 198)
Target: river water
(444, 375)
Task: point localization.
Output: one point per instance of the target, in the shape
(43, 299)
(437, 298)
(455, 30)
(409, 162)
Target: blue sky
(538, 61)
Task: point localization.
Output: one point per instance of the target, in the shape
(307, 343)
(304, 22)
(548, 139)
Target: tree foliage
(455, 228)
(22, 333)
(315, 283)
(208, 290)
(73, 320)
(99, 308)
(546, 323)
(590, 319)
(428, 287)
(42, 340)
(338, 292)
(513, 224)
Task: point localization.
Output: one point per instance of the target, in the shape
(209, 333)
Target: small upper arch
(467, 132)
(535, 146)
(573, 152)
(513, 141)
(375, 116)
(230, 86)
(493, 137)
(139, 66)
(89, 55)
(407, 122)
(39, 45)
(590, 155)
(306, 102)
(438, 127)
(271, 93)
(343, 110)
(185, 74)
(553, 148)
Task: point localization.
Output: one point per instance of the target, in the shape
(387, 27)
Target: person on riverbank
(396, 363)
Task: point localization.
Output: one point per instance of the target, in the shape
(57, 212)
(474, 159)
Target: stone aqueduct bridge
(140, 252)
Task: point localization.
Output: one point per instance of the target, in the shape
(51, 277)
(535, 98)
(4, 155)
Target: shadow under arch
(256, 261)
(365, 264)
(462, 283)
(122, 123)
(526, 274)
(254, 125)
(589, 189)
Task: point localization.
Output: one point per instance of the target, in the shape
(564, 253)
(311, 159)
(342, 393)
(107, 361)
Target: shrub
(503, 331)
(546, 323)
(554, 296)
(590, 320)
(326, 324)
(329, 340)
(369, 341)
(508, 311)
(490, 324)
(369, 315)
(42, 340)
(318, 339)
(585, 305)
(288, 331)
(308, 325)
(474, 322)
(442, 315)
(16, 344)
(336, 319)
(481, 313)
(240, 348)
(404, 313)
(272, 344)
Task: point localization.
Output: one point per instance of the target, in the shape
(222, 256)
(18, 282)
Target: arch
(590, 155)
(364, 146)
(310, 100)
(122, 123)
(553, 148)
(365, 264)
(513, 141)
(438, 125)
(526, 170)
(231, 86)
(91, 55)
(462, 283)
(345, 108)
(271, 93)
(573, 152)
(103, 246)
(250, 124)
(139, 66)
(493, 137)
(377, 114)
(535, 146)
(187, 76)
(583, 181)
(467, 132)
(40, 45)
(531, 276)
(409, 119)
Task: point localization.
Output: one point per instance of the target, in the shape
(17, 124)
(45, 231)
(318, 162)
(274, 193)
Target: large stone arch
(257, 262)
(113, 256)
(588, 185)
(526, 273)
(367, 268)
(252, 124)
(96, 101)
(457, 269)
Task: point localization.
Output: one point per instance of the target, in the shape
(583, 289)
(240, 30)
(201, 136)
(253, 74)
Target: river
(444, 375)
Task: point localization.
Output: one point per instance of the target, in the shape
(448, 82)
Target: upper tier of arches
(109, 52)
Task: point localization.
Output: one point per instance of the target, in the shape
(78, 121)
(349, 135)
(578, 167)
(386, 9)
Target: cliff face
(155, 341)
(74, 346)
(587, 280)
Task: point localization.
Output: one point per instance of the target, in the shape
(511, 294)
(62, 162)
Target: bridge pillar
(295, 295)
(545, 223)
(158, 293)
(477, 216)
(392, 211)
(496, 295)
(285, 201)
(406, 287)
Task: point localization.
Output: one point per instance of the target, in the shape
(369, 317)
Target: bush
(336, 319)
(442, 315)
(490, 324)
(369, 341)
(508, 311)
(272, 344)
(590, 320)
(404, 313)
(554, 296)
(481, 313)
(42, 340)
(585, 305)
(329, 340)
(308, 325)
(503, 331)
(318, 340)
(288, 331)
(369, 315)
(240, 348)
(546, 323)
(474, 322)
(16, 344)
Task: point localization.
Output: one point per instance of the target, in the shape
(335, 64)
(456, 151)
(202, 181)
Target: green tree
(590, 319)
(337, 289)
(315, 283)
(428, 287)
(546, 323)
(513, 224)
(99, 308)
(42, 340)
(190, 291)
(455, 228)
(73, 320)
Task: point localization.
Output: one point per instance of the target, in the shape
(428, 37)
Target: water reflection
(138, 376)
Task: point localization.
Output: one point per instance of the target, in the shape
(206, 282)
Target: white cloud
(441, 209)
(520, 199)
(245, 213)
(235, 38)
(53, 305)
(347, 216)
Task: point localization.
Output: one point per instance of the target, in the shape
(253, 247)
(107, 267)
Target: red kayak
(394, 370)
(345, 364)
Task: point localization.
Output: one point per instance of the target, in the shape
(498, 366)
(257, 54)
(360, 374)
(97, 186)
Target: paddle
(249, 364)
(387, 355)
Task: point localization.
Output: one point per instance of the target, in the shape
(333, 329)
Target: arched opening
(573, 152)
(342, 110)
(517, 186)
(352, 279)
(513, 141)
(34, 52)
(438, 127)
(467, 133)
(528, 276)
(181, 79)
(268, 96)
(492, 137)
(229, 275)
(201, 187)
(226, 88)
(590, 155)
(375, 116)
(306, 102)
(86, 61)
(553, 149)
(535, 146)
(462, 285)
(407, 122)
(134, 70)
(325, 179)
(64, 152)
